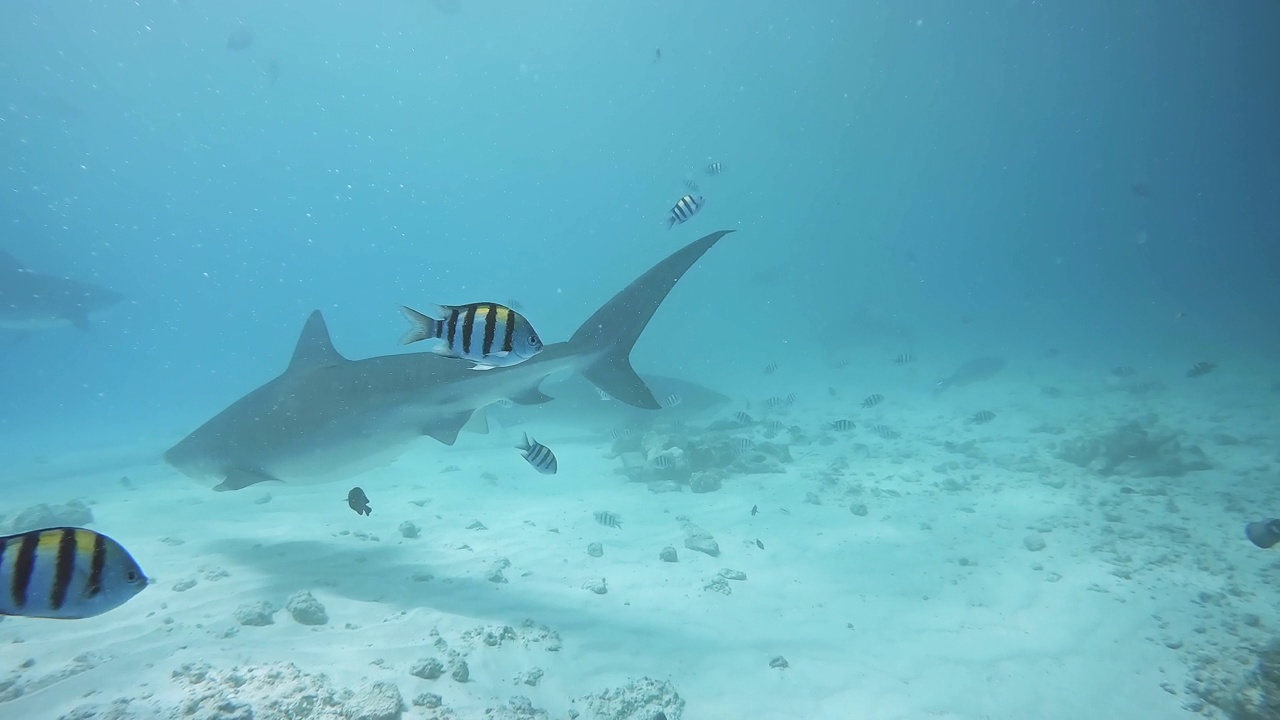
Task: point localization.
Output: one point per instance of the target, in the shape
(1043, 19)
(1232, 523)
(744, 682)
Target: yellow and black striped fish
(685, 208)
(65, 573)
(488, 334)
(539, 456)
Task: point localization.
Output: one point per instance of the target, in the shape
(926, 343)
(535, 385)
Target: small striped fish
(1201, 369)
(904, 359)
(65, 573)
(608, 519)
(488, 334)
(664, 462)
(842, 425)
(743, 445)
(771, 368)
(539, 456)
(672, 401)
(774, 427)
(982, 417)
(715, 168)
(684, 209)
(872, 400)
(773, 403)
(743, 417)
(887, 432)
(691, 186)
(791, 398)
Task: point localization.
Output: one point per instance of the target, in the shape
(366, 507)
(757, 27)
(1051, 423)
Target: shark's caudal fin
(616, 326)
(315, 347)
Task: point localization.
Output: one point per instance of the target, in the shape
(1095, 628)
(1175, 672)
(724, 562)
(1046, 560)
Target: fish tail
(524, 444)
(421, 326)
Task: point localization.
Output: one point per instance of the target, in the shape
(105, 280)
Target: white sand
(877, 616)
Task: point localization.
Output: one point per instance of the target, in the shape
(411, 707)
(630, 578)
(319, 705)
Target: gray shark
(31, 301)
(328, 418)
(975, 370)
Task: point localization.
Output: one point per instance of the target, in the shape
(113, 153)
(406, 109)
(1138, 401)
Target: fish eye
(533, 340)
(131, 576)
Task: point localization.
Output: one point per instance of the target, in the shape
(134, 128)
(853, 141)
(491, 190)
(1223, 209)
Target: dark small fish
(982, 417)
(1123, 371)
(759, 544)
(1140, 189)
(887, 432)
(1051, 391)
(608, 519)
(539, 456)
(843, 425)
(1052, 353)
(657, 55)
(715, 168)
(358, 501)
(743, 417)
(771, 368)
(840, 364)
(872, 400)
(904, 359)
(240, 39)
(1201, 369)
(755, 510)
(684, 210)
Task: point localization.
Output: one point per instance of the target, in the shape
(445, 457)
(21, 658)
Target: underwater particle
(408, 530)
(595, 549)
(427, 668)
(668, 554)
(599, 587)
(779, 662)
(1034, 542)
(306, 609)
(257, 614)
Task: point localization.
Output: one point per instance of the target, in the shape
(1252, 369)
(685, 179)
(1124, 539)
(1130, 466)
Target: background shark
(31, 301)
(328, 418)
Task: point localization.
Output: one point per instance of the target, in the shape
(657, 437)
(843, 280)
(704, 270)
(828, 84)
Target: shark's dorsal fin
(315, 348)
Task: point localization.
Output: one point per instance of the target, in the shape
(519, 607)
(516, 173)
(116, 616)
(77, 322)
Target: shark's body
(328, 418)
(31, 301)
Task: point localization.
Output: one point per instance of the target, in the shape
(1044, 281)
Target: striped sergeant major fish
(539, 456)
(684, 209)
(488, 334)
(65, 573)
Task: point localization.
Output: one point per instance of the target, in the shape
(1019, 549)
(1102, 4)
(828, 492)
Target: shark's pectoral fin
(479, 423)
(241, 479)
(80, 320)
(446, 429)
(532, 396)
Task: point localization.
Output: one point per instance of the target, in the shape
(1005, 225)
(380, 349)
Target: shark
(328, 418)
(34, 301)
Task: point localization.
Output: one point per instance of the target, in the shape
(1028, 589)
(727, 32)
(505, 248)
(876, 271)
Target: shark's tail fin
(615, 327)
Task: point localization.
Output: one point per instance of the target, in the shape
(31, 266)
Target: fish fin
(446, 429)
(315, 347)
(532, 396)
(240, 479)
(525, 445)
(80, 319)
(479, 366)
(612, 330)
(422, 326)
(479, 423)
(443, 351)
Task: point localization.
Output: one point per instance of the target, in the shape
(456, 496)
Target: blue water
(948, 179)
